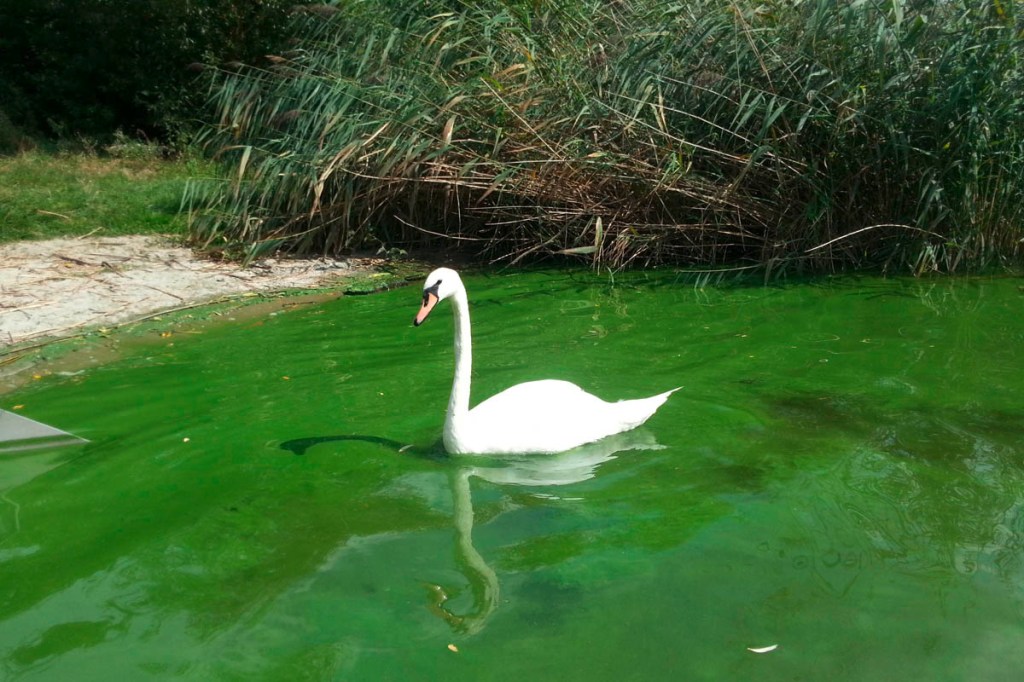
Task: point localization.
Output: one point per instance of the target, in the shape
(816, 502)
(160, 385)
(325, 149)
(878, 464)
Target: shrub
(808, 133)
(12, 140)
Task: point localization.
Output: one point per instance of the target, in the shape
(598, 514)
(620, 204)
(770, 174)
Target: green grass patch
(45, 196)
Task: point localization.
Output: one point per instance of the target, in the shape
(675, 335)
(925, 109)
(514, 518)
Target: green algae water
(842, 476)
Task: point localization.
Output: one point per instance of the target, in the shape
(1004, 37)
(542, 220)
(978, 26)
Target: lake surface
(842, 475)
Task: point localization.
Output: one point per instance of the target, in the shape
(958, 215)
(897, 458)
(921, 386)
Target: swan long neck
(458, 403)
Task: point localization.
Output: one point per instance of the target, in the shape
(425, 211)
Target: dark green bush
(12, 139)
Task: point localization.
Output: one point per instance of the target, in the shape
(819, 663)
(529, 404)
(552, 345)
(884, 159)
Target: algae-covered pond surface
(842, 476)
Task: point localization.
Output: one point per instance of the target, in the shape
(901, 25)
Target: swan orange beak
(429, 301)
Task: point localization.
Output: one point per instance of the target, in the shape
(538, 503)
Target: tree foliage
(90, 67)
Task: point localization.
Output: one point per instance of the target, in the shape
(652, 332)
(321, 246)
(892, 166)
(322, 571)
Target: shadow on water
(300, 446)
(932, 487)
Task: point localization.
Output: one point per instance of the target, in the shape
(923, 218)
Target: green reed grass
(812, 134)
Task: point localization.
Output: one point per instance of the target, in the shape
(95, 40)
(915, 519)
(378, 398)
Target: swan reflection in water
(573, 466)
(566, 468)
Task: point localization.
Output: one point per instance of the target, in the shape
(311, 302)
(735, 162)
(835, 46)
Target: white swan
(545, 416)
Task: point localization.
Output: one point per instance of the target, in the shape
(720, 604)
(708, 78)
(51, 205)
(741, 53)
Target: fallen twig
(76, 261)
(116, 271)
(90, 233)
(166, 293)
(18, 309)
(58, 215)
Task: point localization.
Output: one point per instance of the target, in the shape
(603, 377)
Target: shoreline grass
(48, 195)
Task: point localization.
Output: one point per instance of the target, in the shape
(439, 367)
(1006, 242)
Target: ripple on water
(309, 529)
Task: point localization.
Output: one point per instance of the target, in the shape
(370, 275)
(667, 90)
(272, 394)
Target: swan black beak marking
(430, 299)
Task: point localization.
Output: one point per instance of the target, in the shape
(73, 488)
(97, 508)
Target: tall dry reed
(809, 134)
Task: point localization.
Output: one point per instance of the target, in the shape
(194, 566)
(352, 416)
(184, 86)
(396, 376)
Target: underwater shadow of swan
(299, 446)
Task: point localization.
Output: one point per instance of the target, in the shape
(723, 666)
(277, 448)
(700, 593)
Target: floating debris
(763, 649)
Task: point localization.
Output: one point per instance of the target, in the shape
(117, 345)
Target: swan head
(441, 284)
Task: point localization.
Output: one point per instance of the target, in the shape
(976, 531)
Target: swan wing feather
(550, 416)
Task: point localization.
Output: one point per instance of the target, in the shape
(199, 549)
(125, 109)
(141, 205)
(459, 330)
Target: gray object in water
(19, 433)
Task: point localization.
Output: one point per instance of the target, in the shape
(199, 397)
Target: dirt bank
(56, 287)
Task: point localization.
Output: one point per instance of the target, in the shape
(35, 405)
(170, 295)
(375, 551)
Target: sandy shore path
(53, 288)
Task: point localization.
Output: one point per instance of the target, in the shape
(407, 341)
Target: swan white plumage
(542, 417)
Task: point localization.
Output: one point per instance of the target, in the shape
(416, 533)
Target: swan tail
(633, 413)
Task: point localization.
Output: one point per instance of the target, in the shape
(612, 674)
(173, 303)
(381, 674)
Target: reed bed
(814, 134)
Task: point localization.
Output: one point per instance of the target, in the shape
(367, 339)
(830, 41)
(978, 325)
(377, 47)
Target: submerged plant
(808, 133)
